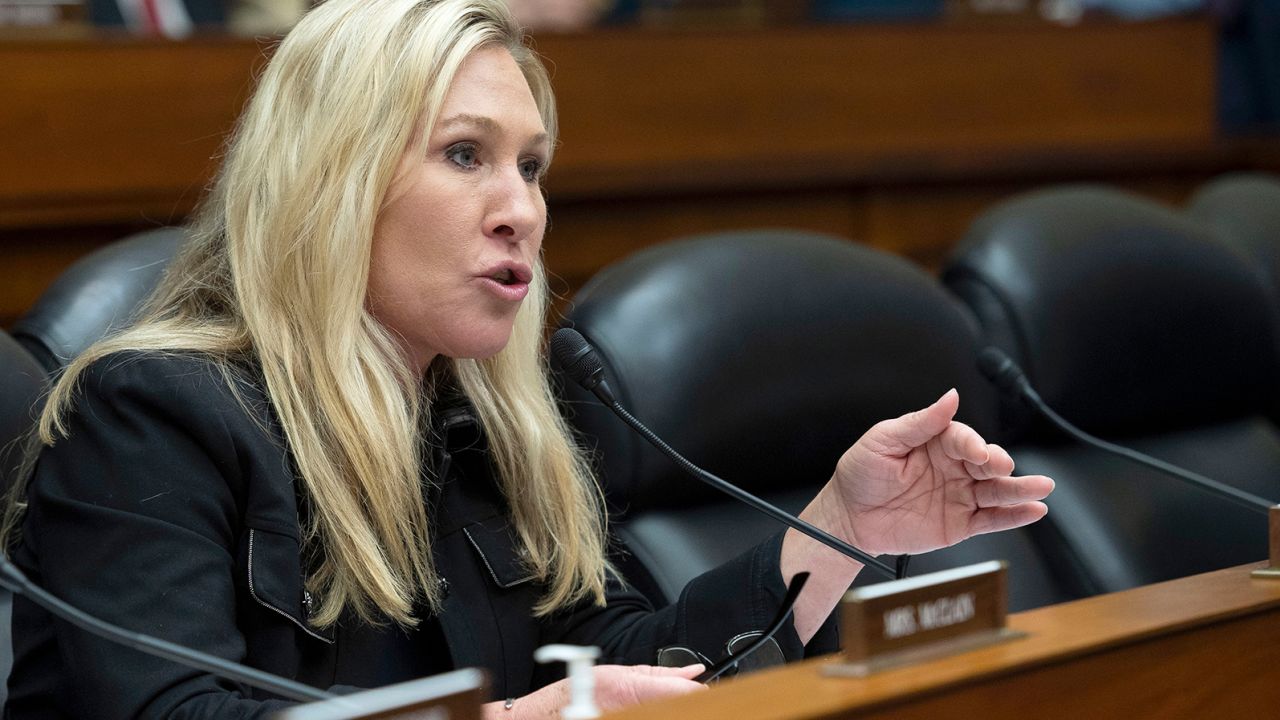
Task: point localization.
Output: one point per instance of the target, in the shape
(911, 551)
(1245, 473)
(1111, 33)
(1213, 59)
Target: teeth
(506, 277)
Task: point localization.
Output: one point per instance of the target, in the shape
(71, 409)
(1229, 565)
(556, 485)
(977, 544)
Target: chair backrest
(762, 356)
(96, 295)
(1137, 324)
(1244, 211)
(21, 382)
(99, 293)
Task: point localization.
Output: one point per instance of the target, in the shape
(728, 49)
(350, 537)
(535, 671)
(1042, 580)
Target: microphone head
(577, 358)
(1000, 369)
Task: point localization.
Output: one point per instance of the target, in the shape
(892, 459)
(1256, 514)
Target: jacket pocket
(275, 579)
(495, 546)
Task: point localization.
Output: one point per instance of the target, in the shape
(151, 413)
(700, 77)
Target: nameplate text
(931, 614)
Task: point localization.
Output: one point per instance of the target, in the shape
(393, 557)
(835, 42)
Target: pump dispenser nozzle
(582, 682)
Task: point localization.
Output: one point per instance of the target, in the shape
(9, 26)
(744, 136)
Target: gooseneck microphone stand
(583, 365)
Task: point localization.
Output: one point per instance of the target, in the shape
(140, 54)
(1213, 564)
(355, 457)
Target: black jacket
(172, 511)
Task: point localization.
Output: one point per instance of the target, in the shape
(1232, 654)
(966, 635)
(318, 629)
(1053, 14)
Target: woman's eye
(531, 169)
(462, 155)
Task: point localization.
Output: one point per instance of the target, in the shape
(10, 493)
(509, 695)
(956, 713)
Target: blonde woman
(329, 450)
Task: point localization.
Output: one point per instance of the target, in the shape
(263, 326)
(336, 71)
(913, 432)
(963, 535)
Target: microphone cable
(13, 579)
(583, 366)
(1005, 374)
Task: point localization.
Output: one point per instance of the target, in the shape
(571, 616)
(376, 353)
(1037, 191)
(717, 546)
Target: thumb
(902, 435)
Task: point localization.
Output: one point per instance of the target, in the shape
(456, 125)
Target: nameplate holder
(1272, 570)
(907, 621)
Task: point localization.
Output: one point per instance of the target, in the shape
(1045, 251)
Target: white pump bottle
(582, 682)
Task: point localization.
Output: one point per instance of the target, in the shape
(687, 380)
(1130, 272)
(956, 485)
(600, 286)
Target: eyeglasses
(733, 658)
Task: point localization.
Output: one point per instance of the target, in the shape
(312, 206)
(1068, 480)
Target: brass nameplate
(904, 621)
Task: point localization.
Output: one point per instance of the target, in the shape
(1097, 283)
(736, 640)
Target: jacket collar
(455, 425)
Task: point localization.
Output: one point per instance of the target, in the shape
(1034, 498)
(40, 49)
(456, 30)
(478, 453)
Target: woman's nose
(515, 209)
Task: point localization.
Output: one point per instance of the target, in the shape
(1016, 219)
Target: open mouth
(510, 281)
(511, 275)
(505, 277)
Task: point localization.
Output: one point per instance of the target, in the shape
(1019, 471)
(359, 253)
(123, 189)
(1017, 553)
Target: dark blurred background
(894, 123)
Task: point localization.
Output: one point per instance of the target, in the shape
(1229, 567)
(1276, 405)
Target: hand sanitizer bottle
(582, 682)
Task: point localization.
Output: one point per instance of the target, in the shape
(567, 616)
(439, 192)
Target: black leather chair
(21, 383)
(97, 294)
(762, 356)
(1244, 211)
(1139, 326)
(22, 380)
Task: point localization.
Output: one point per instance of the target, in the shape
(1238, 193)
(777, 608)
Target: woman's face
(457, 238)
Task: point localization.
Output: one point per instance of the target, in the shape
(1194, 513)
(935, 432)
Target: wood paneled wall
(895, 135)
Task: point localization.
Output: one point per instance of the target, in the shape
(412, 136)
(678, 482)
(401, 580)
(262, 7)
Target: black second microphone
(1005, 374)
(583, 366)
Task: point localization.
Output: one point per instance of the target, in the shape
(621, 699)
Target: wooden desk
(894, 135)
(1207, 646)
(105, 127)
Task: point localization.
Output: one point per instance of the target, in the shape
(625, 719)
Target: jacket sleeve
(741, 596)
(133, 517)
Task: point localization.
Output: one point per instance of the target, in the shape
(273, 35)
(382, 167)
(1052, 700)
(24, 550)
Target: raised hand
(923, 481)
(909, 485)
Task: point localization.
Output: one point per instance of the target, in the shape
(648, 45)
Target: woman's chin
(479, 348)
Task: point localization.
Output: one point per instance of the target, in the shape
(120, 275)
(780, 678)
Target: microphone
(1004, 373)
(13, 579)
(583, 365)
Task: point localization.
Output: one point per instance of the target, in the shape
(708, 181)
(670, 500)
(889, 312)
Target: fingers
(620, 686)
(981, 459)
(997, 519)
(901, 435)
(656, 688)
(1002, 491)
(998, 463)
(617, 686)
(688, 671)
(961, 442)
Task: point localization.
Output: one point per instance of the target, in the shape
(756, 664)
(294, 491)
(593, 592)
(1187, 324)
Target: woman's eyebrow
(484, 123)
(480, 121)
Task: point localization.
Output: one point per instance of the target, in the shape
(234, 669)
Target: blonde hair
(269, 274)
